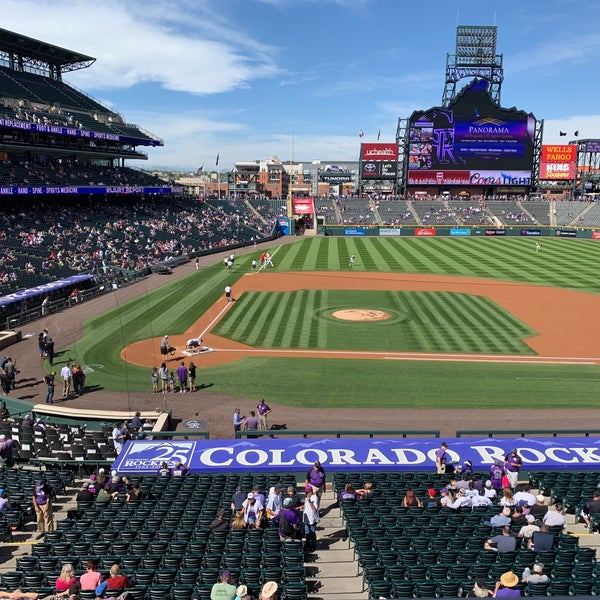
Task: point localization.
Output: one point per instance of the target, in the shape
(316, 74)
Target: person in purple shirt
(512, 466)
(263, 410)
(441, 458)
(507, 586)
(291, 516)
(496, 472)
(182, 375)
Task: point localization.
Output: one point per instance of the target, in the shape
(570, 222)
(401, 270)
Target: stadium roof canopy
(26, 51)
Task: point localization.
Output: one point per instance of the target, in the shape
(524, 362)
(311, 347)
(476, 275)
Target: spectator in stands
(136, 422)
(274, 502)
(518, 519)
(219, 523)
(296, 502)
(480, 500)
(461, 500)
(84, 494)
(4, 501)
(94, 486)
(316, 477)
(525, 496)
(91, 578)
(480, 589)
(410, 499)
(347, 495)
(180, 469)
(507, 586)
(238, 522)
(269, 591)
(18, 595)
(224, 589)
(237, 500)
(66, 583)
(502, 518)
(118, 437)
(253, 511)
(590, 509)
(528, 530)
(539, 509)
(489, 491)
(4, 414)
(116, 581)
(366, 492)
(554, 516)
(496, 473)
(290, 516)
(507, 498)
(7, 446)
(504, 542)
(104, 495)
(512, 466)
(310, 518)
(134, 492)
(538, 575)
(42, 504)
(542, 540)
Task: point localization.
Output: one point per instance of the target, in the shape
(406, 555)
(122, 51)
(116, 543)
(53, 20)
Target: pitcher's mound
(361, 314)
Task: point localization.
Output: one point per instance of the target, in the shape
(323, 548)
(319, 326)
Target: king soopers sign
(373, 454)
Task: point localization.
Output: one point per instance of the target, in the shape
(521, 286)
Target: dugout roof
(36, 53)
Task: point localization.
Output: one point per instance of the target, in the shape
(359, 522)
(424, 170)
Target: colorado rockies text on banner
(373, 454)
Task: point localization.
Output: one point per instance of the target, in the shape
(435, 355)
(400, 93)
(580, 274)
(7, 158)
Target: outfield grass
(173, 308)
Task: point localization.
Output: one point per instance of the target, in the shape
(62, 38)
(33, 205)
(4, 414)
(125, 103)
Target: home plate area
(198, 351)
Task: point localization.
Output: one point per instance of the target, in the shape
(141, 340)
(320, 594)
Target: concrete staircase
(334, 572)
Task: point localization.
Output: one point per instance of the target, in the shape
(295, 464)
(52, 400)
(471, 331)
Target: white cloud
(136, 43)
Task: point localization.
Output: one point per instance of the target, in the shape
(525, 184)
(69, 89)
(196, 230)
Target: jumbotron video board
(471, 142)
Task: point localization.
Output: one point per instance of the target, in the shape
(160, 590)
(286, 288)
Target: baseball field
(415, 323)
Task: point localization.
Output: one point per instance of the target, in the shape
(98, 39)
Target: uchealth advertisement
(379, 151)
(369, 454)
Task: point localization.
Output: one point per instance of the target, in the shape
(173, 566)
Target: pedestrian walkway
(332, 571)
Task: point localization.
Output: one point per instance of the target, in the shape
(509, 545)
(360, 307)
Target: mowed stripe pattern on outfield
(561, 262)
(420, 321)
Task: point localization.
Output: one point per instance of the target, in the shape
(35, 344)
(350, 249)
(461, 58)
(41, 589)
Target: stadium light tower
(475, 56)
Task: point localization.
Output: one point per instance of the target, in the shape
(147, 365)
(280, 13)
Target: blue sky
(251, 79)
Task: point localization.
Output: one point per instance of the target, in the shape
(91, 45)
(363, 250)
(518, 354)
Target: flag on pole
(576, 134)
(217, 161)
(361, 133)
(562, 133)
(378, 134)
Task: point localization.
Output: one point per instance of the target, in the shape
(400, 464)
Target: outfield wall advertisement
(372, 454)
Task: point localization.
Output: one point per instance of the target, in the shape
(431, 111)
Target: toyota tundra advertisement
(379, 160)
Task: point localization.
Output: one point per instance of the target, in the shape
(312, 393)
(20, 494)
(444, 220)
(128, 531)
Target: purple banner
(45, 288)
(73, 131)
(352, 454)
(116, 189)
